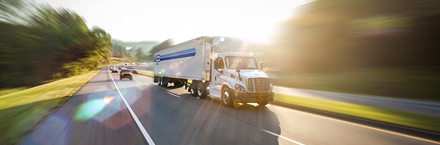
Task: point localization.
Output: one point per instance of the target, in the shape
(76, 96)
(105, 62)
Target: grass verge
(413, 120)
(9, 91)
(21, 112)
(145, 74)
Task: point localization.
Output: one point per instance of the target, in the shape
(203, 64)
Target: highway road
(407, 105)
(112, 111)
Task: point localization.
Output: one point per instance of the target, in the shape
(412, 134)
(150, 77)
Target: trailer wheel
(201, 90)
(226, 97)
(192, 89)
(159, 81)
(164, 82)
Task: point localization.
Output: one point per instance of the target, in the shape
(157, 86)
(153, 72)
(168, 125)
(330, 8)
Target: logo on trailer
(157, 58)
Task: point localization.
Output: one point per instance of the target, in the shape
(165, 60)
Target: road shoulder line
(141, 127)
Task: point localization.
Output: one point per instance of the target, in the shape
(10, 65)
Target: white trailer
(232, 77)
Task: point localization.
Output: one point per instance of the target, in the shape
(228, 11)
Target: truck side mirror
(261, 65)
(239, 76)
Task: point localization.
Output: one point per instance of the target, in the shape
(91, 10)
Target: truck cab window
(219, 63)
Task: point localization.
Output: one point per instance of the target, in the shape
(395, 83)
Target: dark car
(134, 70)
(125, 73)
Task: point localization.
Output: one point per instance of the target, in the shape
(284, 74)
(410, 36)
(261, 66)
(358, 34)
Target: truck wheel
(193, 89)
(262, 103)
(164, 83)
(201, 91)
(226, 97)
(159, 81)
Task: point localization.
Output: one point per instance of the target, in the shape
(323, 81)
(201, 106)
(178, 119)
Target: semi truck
(212, 67)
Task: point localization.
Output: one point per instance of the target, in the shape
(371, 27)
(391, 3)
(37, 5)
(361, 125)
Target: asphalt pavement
(112, 111)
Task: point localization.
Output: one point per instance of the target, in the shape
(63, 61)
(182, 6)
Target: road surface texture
(98, 114)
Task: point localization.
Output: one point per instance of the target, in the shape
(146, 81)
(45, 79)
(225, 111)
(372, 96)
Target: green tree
(40, 43)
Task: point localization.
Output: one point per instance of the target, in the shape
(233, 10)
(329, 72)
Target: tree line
(40, 43)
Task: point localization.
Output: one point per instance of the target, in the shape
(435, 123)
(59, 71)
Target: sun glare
(107, 100)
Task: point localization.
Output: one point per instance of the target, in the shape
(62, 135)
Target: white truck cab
(236, 78)
(233, 77)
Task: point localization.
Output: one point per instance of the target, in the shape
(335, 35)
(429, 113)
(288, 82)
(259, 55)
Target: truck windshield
(240, 62)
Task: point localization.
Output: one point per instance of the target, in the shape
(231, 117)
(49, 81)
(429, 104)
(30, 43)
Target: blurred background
(372, 47)
(366, 46)
(386, 48)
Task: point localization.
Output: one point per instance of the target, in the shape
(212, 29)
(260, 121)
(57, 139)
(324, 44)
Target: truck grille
(258, 85)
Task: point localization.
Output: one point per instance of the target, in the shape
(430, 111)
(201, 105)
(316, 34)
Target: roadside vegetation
(408, 119)
(21, 112)
(41, 44)
(9, 90)
(145, 74)
(46, 55)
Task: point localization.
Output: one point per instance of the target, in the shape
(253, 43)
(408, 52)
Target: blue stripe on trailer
(178, 56)
(179, 53)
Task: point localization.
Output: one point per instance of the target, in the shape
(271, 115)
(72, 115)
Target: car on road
(134, 70)
(125, 73)
(114, 69)
(120, 66)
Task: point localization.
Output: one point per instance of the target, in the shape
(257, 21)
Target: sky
(158, 20)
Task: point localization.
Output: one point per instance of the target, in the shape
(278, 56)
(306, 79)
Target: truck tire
(164, 82)
(159, 81)
(262, 103)
(226, 97)
(201, 90)
(193, 89)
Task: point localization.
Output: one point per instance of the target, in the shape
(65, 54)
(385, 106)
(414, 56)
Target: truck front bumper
(246, 97)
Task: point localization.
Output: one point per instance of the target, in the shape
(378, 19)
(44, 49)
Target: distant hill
(145, 46)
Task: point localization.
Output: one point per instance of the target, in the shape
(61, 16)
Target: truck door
(217, 78)
(207, 61)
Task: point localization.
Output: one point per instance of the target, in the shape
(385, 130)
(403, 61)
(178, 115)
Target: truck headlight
(240, 88)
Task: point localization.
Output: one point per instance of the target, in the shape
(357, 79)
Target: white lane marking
(141, 127)
(173, 95)
(282, 137)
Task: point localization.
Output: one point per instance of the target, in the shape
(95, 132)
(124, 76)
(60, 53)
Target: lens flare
(107, 100)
